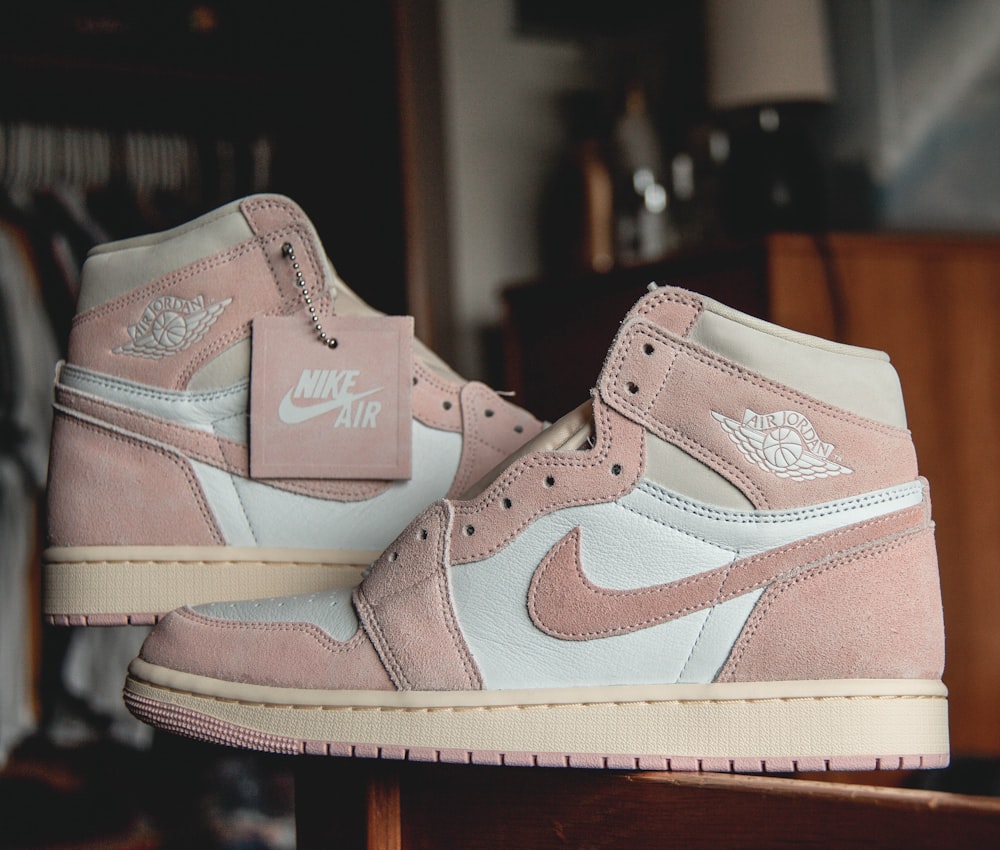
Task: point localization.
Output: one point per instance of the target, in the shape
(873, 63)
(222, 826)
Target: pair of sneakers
(723, 560)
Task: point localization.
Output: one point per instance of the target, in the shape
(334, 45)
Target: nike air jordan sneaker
(724, 561)
(233, 422)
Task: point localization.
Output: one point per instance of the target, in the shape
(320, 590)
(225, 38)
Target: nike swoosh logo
(564, 603)
(292, 414)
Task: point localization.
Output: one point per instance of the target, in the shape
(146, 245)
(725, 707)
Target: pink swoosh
(564, 603)
(292, 414)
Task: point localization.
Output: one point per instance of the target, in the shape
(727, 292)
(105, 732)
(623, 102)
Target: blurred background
(512, 173)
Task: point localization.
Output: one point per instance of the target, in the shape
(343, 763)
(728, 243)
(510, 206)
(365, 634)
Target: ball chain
(288, 252)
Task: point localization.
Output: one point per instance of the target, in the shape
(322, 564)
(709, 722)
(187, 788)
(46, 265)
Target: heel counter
(111, 488)
(872, 613)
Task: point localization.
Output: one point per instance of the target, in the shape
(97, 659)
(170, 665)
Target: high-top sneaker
(233, 422)
(725, 561)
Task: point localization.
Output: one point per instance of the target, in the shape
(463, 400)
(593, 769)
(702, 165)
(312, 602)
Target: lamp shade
(767, 51)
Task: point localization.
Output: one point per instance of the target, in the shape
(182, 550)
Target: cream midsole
(769, 719)
(154, 579)
(206, 554)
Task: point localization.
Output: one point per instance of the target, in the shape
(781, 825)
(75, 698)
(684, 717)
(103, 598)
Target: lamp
(769, 74)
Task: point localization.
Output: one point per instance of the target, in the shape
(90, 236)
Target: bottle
(643, 227)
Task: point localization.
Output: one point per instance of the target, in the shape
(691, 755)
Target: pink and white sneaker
(725, 561)
(233, 422)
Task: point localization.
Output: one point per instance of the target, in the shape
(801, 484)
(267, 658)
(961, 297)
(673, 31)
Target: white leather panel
(747, 532)
(201, 410)
(332, 611)
(254, 513)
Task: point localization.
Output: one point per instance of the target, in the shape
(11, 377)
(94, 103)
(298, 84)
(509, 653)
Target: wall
(503, 135)
(919, 106)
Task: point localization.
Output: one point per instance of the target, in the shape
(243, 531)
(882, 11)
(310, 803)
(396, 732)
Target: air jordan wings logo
(170, 324)
(784, 443)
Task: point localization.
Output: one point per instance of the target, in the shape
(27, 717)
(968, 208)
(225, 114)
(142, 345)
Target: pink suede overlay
(874, 612)
(542, 482)
(134, 491)
(492, 429)
(223, 453)
(406, 608)
(564, 603)
(673, 388)
(436, 401)
(265, 213)
(674, 310)
(290, 655)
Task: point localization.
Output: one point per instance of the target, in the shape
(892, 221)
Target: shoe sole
(136, 585)
(746, 727)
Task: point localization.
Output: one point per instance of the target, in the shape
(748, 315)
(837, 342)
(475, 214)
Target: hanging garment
(28, 355)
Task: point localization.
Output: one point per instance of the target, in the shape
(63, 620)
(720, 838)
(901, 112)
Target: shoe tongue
(570, 433)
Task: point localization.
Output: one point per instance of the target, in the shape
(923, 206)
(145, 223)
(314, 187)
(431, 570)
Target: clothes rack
(64, 189)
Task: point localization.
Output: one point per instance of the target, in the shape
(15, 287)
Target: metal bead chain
(289, 252)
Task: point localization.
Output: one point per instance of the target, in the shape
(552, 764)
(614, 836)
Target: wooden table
(380, 805)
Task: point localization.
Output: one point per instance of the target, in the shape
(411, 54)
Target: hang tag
(319, 412)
